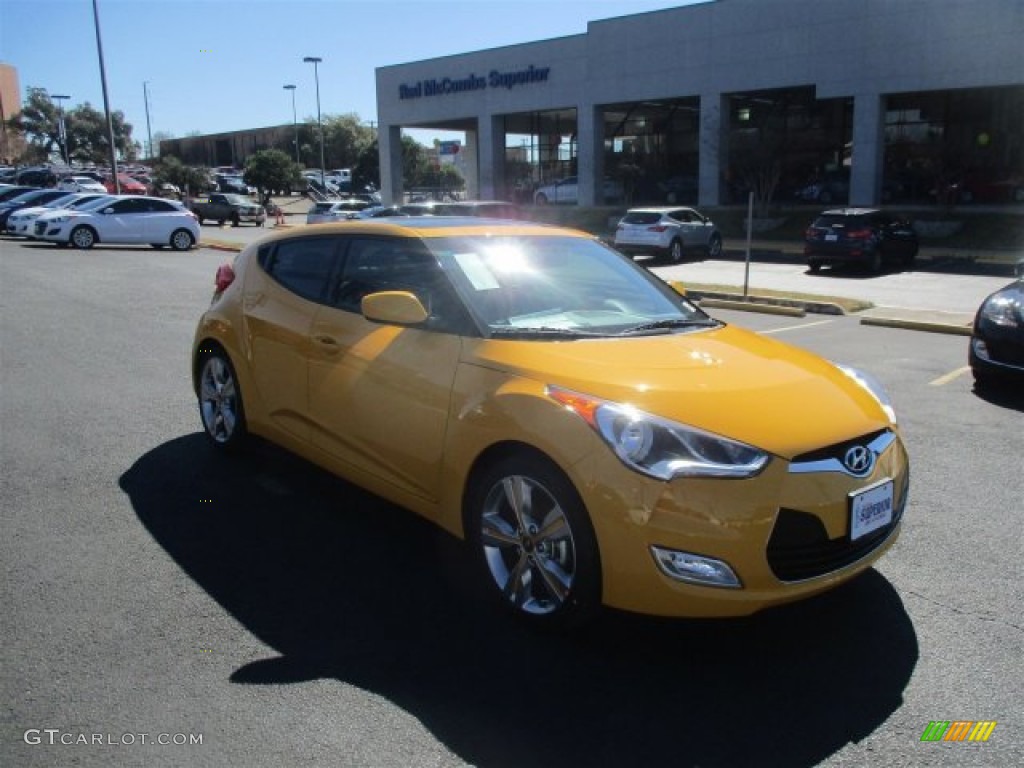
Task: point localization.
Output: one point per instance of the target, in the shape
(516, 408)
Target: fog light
(695, 569)
(981, 349)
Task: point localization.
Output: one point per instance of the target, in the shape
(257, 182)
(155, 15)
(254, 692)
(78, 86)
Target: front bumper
(785, 534)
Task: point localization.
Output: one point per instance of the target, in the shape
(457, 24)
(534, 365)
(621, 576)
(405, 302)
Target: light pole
(315, 61)
(295, 123)
(106, 101)
(149, 133)
(61, 133)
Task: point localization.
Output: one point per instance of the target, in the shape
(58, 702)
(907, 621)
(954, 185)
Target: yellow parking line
(797, 327)
(943, 380)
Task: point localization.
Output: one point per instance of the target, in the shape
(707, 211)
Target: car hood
(728, 381)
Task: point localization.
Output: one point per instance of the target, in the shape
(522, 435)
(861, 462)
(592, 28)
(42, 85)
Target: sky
(211, 66)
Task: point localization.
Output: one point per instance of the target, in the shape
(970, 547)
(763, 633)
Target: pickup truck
(225, 207)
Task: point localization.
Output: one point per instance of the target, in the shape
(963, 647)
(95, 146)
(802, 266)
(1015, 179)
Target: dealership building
(865, 101)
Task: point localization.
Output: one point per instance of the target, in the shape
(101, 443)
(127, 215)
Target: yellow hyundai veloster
(594, 436)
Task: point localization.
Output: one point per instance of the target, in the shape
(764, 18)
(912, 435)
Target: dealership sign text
(474, 82)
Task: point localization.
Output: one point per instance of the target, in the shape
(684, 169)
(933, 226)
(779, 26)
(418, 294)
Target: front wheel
(541, 199)
(534, 541)
(235, 221)
(814, 266)
(675, 252)
(220, 401)
(181, 240)
(82, 237)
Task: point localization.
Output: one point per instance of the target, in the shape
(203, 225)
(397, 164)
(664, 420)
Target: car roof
(850, 211)
(660, 209)
(430, 227)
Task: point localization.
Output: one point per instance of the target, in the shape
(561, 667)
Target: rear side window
(642, 217)
(303, 266)
(828, 222)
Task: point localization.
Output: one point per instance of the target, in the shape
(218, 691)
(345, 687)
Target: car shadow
(1007, 395)
(344, 585)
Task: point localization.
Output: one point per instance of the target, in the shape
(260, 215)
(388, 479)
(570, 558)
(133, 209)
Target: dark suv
(868, 237)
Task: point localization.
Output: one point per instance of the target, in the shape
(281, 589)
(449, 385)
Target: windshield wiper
(542, 332)
(668, 324)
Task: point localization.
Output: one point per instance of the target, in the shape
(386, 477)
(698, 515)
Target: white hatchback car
(81, 184)
(668, 231)
(132, 219)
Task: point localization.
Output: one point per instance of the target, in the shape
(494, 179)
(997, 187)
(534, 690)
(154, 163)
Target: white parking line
(797, 327)
(943, 380)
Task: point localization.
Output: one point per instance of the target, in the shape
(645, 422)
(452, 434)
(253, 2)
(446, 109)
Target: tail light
(225, 277)
(859, 234)
(811, 232)
(657, 228)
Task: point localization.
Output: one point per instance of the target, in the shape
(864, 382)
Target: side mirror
(393, 308)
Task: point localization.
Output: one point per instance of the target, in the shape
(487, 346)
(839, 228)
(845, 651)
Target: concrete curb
(751, 306)
(918, 325)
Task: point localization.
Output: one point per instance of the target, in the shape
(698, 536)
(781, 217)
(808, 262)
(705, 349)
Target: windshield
(551, 286)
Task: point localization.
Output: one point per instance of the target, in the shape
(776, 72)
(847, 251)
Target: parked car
(11, 191)
(81, 184)
(566, 191)
(25, 199)
(224, 208)
(494, 209)
(335, 211)
(867, 237)
(671, 232)
(234, 185)
(124, 219)
(828, 189)
(21, 223)
(594, 436)
(36, 177)
(129, 186)
(996, 351)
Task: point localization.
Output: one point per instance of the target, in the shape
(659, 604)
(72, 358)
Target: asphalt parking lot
(153, 589)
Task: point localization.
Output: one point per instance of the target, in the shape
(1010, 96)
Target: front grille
(799, 547)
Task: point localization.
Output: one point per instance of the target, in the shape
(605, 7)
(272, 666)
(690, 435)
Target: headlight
(660, 448)
(1003, 310)
(870, 384)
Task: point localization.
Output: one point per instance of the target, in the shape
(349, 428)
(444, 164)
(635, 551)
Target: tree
(271, 170)
(188, 178)
(85, 137)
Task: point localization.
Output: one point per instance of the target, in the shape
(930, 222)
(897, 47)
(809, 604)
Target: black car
(868, 237)
(28, 198)
(996, 353)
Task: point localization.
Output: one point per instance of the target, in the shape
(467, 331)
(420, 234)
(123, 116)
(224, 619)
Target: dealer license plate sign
(870, 509)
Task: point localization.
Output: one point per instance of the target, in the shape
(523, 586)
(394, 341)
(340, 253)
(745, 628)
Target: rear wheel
(220, 401)
(235, 221)
(675, 251)
(814, 265)
(534, 541)
(181, 240)
(541, 199)
(874, 262)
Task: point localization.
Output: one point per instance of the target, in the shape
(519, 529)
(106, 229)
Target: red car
(129, 186)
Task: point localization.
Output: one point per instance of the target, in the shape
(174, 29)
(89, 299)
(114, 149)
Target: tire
(715, 247)
(235, 220)
(675, 251)
(82, 237)
(814, 266)
(182, 240)
(874, 264)
(220, 401)
(541, 199)
(550, 580)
